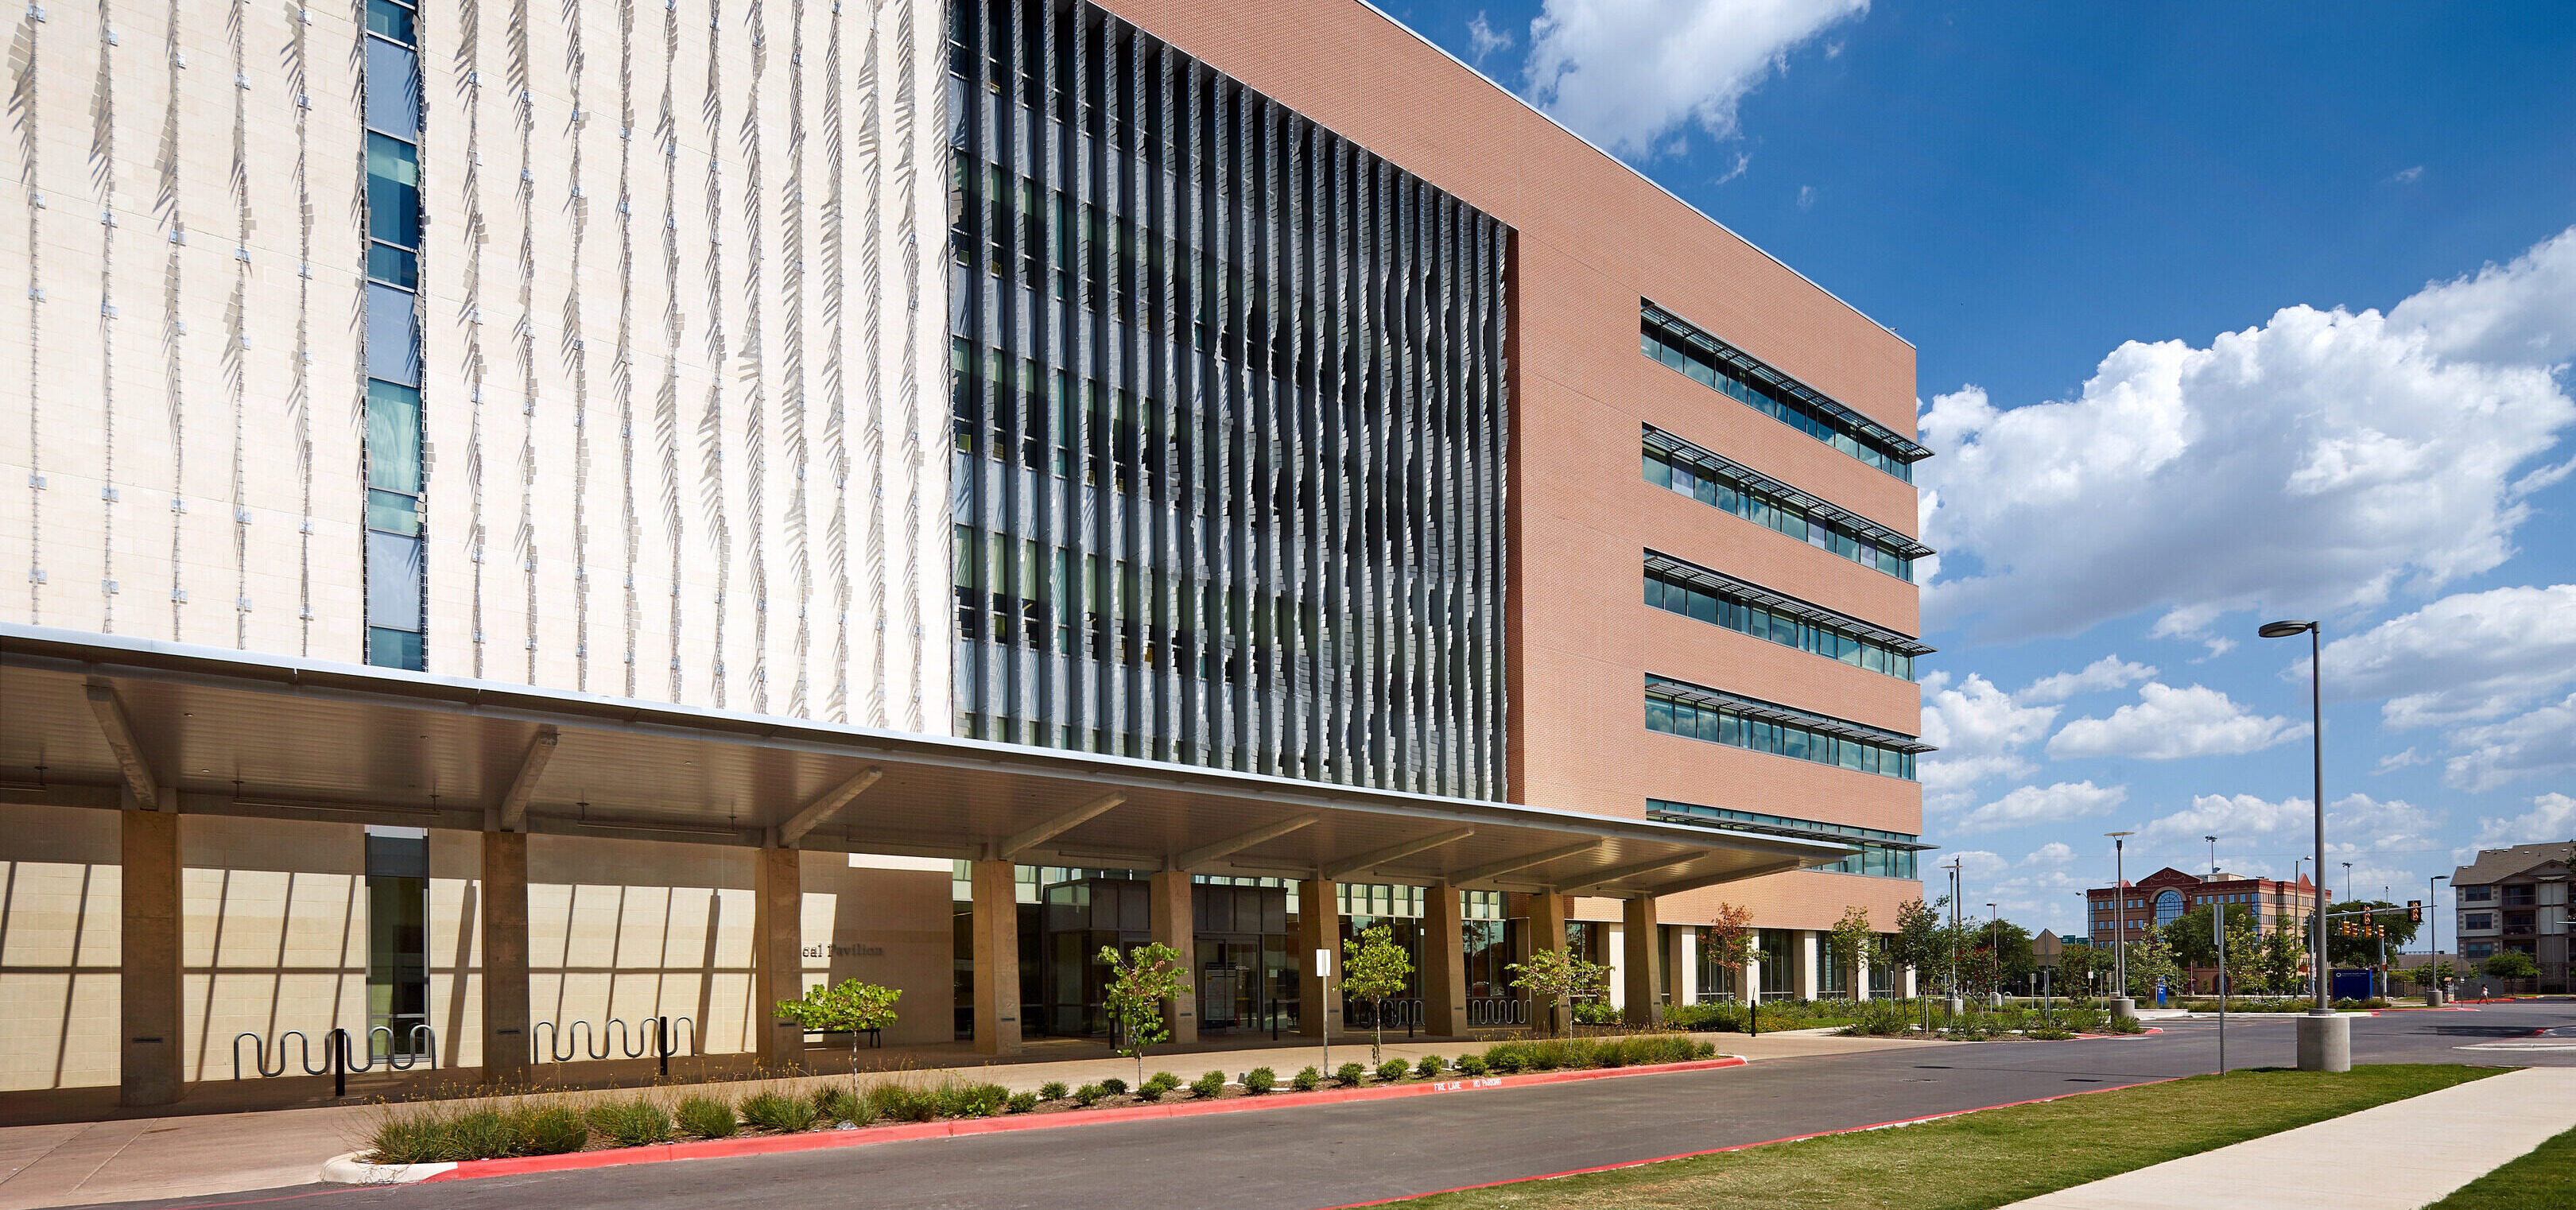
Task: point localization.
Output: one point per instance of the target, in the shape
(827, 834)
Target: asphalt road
(1301, 1159)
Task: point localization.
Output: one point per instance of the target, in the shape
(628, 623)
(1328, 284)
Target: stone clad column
(1681, 963)
(996, 926)
(1319, 927)
(777, 955)
(1802, 953)
(503, 925)
(1175, 923)
(1547, 914)
(1444, 963)
(148, 959)
(1638, 941)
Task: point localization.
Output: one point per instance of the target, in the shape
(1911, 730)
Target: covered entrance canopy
(104, 720)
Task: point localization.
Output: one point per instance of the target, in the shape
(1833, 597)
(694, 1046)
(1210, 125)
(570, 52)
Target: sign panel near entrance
(1324, 964)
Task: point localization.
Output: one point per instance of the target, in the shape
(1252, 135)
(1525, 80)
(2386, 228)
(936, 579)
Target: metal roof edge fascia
(88, 652)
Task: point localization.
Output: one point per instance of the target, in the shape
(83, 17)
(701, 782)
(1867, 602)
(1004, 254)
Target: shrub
(1114, 1086)
(1393, 1070)
(1307, 1080)
(407, 1138)
(1596, 1012)
(842, 1105)
(1473, 1065)
(2048, 1031)
(1086, 1094)
(1504, 1060)
(779, 1112)
(1428, 1067)
(1348, 1075)
(632, 1123)
(552, 1130)
(1021, 1102)
(1159, 1083)
(902, 1102)
(1052, 1090)
(707, 1118)
(1706, 1018)
(1260, 1080)
(484, 1134)
(1208, 1087)
(958, 1100)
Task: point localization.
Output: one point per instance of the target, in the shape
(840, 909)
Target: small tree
(1139, 982)
(2439, 973)
(1728, 940)
(1562, 977)
(1851, 937)
(2277, 960)
(1920, 942)
(2511, 964)
(853, 1007)
(1373, 968)
(2149, 961)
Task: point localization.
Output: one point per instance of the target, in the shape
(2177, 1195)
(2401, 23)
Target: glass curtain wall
(1230, 422)
(1778, 960)
(397, 941)
(392, 328)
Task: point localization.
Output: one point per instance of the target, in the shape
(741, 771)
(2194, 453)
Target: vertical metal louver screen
(1231, 422)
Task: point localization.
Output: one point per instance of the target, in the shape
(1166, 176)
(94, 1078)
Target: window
(1682, 467)
(1778, 961)
(393, 544)
(2168, 907)
(1695, 592)
(2477, 894)
(2478, 920)
(1713, 363)
(1680, 708)
(397, 940)
(1882, 854)
(2476, 951)
(2518, 896)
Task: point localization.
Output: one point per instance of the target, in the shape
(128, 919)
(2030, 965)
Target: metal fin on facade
(1231, 422)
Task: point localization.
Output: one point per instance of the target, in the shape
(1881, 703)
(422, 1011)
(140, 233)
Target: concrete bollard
(2325, 1041)
(2124, 1008)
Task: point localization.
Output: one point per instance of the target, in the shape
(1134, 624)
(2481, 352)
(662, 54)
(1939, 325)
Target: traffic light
(2414, 911)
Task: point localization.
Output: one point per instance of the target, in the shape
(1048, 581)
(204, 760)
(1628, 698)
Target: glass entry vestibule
(1241, 968)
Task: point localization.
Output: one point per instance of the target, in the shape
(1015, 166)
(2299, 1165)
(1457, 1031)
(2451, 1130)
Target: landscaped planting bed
(457, 1131)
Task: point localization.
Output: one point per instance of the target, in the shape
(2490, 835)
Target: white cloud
(2233, 816)
(2400, 760)
(2541, 742)
(2166, 723)
(2381, 837)
(1806, 197)
(1483, 39)
(2053, 853)
(2551, 817)
(2469, 656)
(1632, 74)
(2315, 463)
(2407, 176)
(1979, 863)
(1980, 731)
(2053, 804)
(2109, 672)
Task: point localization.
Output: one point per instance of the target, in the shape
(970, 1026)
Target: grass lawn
(2543, 1179)
(1998, 1156)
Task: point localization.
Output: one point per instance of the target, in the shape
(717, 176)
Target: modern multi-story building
(540, 518)
(2516, 899)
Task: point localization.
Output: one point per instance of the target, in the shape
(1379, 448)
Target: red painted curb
(1795, 1138)
(815, 1140)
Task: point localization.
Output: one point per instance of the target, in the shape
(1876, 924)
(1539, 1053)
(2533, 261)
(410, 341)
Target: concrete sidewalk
(2398, 1156)
(195, 1155)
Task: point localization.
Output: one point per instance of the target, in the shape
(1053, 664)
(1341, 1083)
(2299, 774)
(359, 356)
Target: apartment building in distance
(535, 520)
(2516, 899)
(2165, 896)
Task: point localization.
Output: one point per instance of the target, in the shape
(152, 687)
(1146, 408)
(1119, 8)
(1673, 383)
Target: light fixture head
(2284, 629)
(2117, 835)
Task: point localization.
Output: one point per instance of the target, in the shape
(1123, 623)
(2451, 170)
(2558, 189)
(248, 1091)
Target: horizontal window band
(1753, 369)
(1720, 467)
(1781, 825)
(1672, 568)
(1773, 712)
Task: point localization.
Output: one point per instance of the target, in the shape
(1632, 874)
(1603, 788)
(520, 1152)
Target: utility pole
(2122, 1004)
(2218, 936)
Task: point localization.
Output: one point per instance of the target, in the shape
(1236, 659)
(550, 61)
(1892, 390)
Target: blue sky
(2224, 312)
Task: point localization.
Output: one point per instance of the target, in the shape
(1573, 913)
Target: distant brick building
(2140, 907)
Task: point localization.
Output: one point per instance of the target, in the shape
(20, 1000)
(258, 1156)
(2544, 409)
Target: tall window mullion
(394, 543)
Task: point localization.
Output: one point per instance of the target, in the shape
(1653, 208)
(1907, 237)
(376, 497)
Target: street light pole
(1994, 946)
(2122, 1004)
(2218, 940)
(2325, 1038)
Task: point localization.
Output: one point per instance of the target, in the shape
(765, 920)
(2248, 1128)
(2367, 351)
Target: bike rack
(651, 1037)
(338, 1054)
